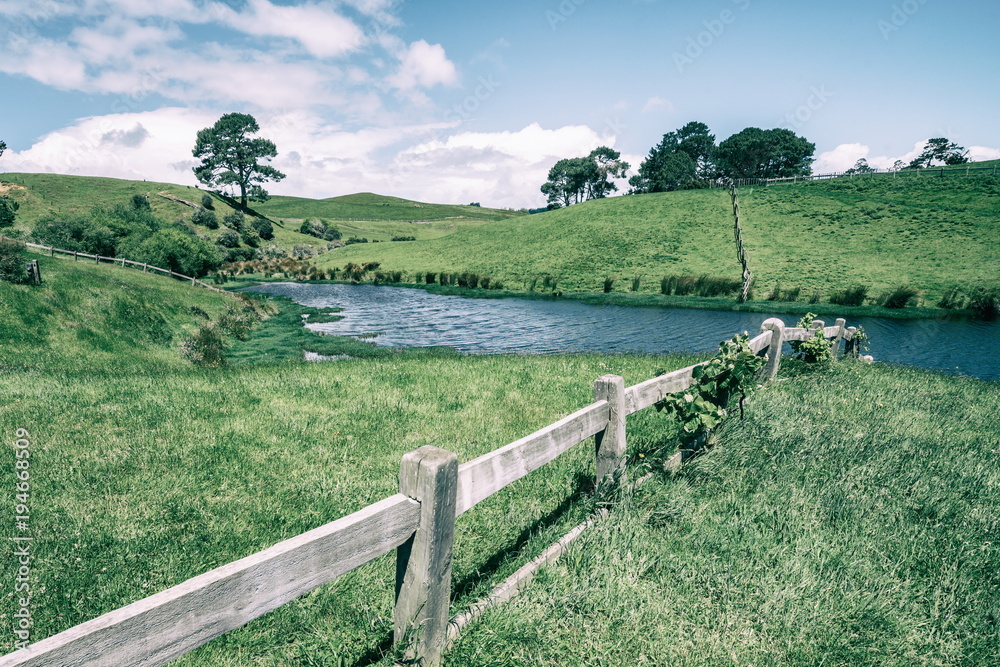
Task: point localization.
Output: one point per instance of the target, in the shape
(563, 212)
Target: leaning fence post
(610, 443)
(429, 475)
(835, 346)
(777, 329)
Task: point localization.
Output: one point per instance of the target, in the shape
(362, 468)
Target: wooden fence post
(610, 443)
(429, 475)
(777, 329)
(835, 346)
(76, 255)
(851, 346)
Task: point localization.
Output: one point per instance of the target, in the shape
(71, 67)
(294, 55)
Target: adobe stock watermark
(818, 97)
(901, 14)
(562, 12)
(463, 110)
(22, 539)
(714, 28)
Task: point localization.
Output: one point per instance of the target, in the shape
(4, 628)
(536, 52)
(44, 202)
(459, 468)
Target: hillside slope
(929, 233)
(370, 206)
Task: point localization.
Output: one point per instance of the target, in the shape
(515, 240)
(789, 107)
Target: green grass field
(850, 519)
(366, 206)
(929, 233)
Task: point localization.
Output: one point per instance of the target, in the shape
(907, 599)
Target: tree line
(690, 158)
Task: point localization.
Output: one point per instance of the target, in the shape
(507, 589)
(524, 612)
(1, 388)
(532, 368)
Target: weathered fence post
(777, 329)
(851, 347)
(429, 475)
(76, 255)
(835, 345)
(610, 443)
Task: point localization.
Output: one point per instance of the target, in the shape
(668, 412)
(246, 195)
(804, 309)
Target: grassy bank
(836, 525)
(930, 234)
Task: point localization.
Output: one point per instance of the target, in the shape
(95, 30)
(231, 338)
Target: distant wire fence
(120, 261)
(927, 172)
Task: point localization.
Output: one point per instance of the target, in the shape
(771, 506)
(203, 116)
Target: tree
(940, 150)
(695, 140)
(229, 156)
(861, 167)
(757, 153)
(3, 147)
(572, 180)
(609, 165)
(8, 208)
(680, 157)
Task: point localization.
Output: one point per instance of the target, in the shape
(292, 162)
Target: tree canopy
(572, 180)
(680, 158)
(757, 153)
(942, 151)
(3, 147)
(230, 156)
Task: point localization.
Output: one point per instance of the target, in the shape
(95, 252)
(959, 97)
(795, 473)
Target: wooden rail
(120, 261)
(418, 522)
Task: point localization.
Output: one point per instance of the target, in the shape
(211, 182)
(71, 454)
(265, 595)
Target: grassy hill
(364, 215)
(931, 233)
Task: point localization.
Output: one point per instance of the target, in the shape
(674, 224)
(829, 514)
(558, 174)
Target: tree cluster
(940, 150)
(573, 180)
(689, 157)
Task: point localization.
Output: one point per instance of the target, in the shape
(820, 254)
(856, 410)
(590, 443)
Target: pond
(406, 317)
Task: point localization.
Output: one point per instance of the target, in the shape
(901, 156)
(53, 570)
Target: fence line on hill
(120, 261)
(418, 523)
(930, 172)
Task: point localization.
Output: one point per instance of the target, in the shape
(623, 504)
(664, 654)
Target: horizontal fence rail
(937, 172)
(418, 523)
(120, 261)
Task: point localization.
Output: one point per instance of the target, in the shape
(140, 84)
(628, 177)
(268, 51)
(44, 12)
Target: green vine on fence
(703, 406)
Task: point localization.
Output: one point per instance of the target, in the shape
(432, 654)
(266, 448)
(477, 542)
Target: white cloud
(323, 32)
(841, 158)
(980, 153)
(424, 65)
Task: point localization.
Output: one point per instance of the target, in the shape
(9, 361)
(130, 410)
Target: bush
(141, 203)
(8, 208)
(952, 299)
(228, 239)
(250, 237)
(635, 284)
(404, 238)
(205, 347)
(77, 234)
(355, 239)
(175, 251)
(430, 277)
(239, 254)
(331, 234)
(263, 228)
(202, 216)
(302, 251)
(855, 296)
(13, 265)
(207, 202)
(986, 303)
(235, 220)
(900, 297)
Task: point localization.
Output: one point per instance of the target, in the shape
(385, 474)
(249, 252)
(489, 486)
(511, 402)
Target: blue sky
(466, 101)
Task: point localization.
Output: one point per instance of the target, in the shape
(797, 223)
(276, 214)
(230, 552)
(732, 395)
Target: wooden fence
(418, 522)
(928, 172)
(120, 261)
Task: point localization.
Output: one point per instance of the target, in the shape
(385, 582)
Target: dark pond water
(414, 318)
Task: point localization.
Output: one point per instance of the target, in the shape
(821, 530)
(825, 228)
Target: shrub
(817, 295)
(900, 297)
(331, 234)
(397, 276)
(205, 347)
(404, 238)
(355, 239)
(263, 228)
(484, 282)
(302, 251)
(228, 239)
(13, 266)
(854, 296)
(986, 302)
(429, 278)
(8, 208)
(952, 299)
(175, 251)
(141, 203)
(816, 348)
(235, 220)
(239, 254)
(202, 216)
(238, 321)
(250, 237)
(207, 202)
(635, 283)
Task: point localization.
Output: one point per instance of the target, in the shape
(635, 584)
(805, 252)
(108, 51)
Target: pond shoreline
(649, 300)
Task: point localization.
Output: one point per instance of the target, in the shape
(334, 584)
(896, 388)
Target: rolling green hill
(368, 206)
(930, 233)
